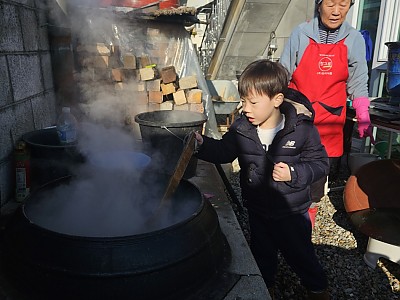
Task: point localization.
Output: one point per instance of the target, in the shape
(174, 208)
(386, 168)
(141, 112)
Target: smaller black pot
(50, 159)
(163, 133)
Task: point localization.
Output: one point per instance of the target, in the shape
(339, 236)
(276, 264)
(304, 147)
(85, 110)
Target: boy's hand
(281, 172)
(199, 138)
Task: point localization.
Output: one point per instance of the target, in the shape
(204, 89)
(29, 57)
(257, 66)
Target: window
(382, 19)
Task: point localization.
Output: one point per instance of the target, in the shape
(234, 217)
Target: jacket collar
(311, 30)
(296, 107)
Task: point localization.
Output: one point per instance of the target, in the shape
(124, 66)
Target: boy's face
(261, 110)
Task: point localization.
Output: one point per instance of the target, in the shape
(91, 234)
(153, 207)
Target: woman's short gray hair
(318, 2)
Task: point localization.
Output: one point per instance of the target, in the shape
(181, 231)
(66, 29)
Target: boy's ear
(278, 99)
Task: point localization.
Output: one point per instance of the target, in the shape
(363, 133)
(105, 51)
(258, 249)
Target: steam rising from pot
(111, 194)
(108, 198)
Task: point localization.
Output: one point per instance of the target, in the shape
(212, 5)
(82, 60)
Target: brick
(101, 61)
(197, 107)
(140, 86)
(194, 95)
(95, 74)
(141, 98)
(168, 88)
(154, 106)
(188, 82)
(184, 106)
(168, 74)
(102, 74)
(167, 105)
(141, 108)
(129, 61)
(153, 85)
(115, 49)
(95, 61)
(155, 97)
(179, 97)
(119, 86)
(147, 74)
(131, 75)
(99, 48)
(117, 74)
(145, 61)
(128, 87)
(114, 62)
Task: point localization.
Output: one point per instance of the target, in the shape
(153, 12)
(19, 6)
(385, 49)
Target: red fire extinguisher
(22, 172)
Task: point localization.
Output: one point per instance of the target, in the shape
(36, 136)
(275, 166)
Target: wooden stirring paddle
(176, 177)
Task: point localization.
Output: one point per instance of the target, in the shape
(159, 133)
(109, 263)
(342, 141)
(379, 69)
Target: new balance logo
(290, 144)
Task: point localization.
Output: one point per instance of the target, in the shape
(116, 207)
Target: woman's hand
(361, 106)
(281, 172)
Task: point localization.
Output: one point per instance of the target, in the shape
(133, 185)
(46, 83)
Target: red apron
(321, 75)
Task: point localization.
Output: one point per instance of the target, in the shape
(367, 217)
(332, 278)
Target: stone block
(29, 26)
(145, 61)
(140, 86)
(168, 74)
(179, 97)
(184, 106)
(153, 85)
(27, 80)
(155, 97)
(44, 110)
(99, 74)
(147, 73)
(188, 82)
(140, 98)
(101, 61)
(5, 88)
(128, 87)
(11, 33)
(42, 30)
(95, 49)
(154, 106)
(167, 105)
(95, 61)
(117, 74)
(129, 61)
(48, 72)
(196, 107)
(168, 88)
(194, 95)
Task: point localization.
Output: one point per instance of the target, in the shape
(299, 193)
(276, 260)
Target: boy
(280, 154)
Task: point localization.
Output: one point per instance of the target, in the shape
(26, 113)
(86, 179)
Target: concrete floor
(250, 285)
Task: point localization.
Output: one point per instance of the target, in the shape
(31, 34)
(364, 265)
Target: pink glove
(361, 105)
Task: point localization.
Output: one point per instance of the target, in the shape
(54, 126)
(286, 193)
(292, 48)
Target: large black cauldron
(164, 264)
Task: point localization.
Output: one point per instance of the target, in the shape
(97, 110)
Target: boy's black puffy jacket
(297, 144)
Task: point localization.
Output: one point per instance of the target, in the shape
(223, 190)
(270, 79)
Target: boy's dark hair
(264, 77)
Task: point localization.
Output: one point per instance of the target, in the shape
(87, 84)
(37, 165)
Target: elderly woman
(326, 60)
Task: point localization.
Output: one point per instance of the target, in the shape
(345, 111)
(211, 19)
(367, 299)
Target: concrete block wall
(27, 97)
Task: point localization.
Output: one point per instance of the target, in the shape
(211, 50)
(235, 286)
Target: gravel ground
(340, 248)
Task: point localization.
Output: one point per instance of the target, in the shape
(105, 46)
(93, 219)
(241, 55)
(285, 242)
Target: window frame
(388, 31)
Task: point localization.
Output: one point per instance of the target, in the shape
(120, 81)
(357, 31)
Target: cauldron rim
(27, 138)
(148, 234)
(166, 119)
(148, 266)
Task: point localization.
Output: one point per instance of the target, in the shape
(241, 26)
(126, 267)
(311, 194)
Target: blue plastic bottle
(67, 127)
